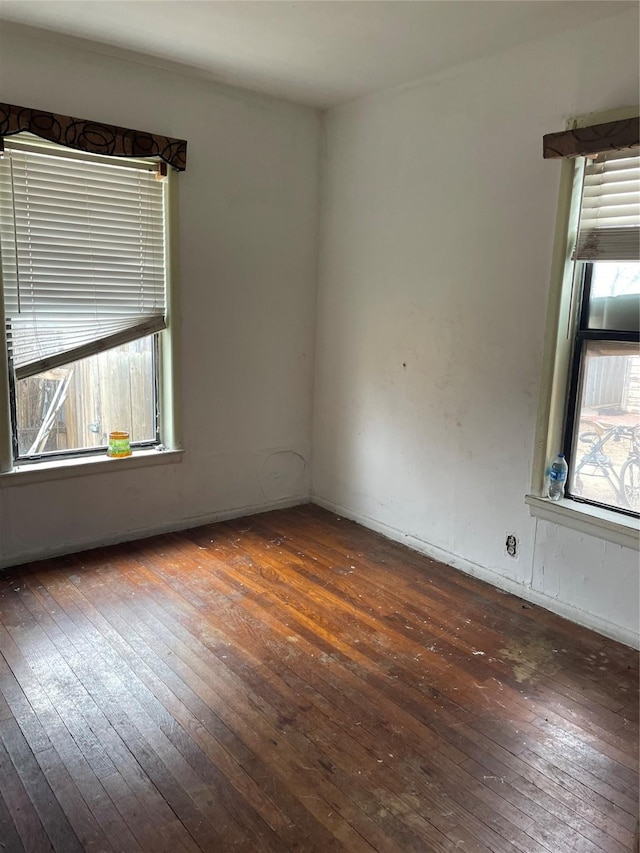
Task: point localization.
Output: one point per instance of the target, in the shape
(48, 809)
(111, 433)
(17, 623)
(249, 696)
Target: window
(83, 241)
(590, 398)
(602, 430)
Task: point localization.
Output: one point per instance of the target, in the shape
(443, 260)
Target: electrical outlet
(511, 545)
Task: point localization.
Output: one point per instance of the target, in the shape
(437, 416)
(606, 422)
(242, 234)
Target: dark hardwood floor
(294, 682)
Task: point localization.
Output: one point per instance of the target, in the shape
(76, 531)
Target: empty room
(319, 426)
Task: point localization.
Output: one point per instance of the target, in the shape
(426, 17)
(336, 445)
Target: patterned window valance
(597, 139)
(92, 136)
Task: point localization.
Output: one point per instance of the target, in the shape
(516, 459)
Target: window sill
(59, 469)
(592, 520)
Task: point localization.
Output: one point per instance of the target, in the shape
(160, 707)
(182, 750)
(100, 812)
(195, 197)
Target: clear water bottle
(558, 477)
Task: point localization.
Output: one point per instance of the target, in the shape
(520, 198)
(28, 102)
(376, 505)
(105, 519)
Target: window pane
(606, 455)
(77, 406)
(615, 296)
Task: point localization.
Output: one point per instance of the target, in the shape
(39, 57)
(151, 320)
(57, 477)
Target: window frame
(166, 379)
(561, 323)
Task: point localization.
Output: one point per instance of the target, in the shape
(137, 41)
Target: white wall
(437, 232)
(248, 248)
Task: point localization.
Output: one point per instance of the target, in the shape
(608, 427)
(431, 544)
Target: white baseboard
(145, 532)
(561, 608)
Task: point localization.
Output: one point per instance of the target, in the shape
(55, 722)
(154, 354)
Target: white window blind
(610, 213)
(83, 253)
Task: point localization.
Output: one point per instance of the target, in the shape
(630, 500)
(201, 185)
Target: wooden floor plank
(181, 727)
(110, 688)
(35, 783)
(186, 678)
(467, 818)
(143, 657)
(131, 791)
(294, 682)
(26, 819)
(8, 833)
(332, 797)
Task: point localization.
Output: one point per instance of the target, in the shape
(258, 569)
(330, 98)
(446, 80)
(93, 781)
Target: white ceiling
(317, 52)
